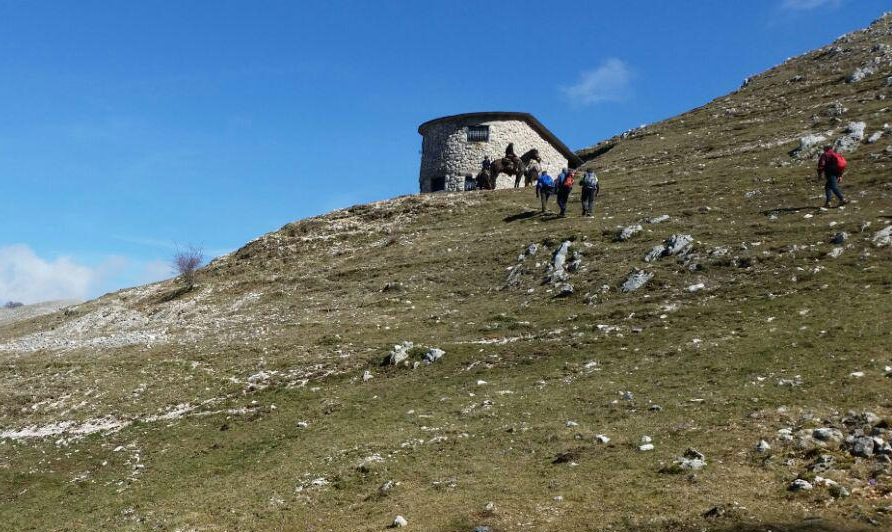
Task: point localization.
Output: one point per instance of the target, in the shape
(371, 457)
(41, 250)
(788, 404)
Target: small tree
(186, 261)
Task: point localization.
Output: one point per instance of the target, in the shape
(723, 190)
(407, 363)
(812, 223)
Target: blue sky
(127, 127)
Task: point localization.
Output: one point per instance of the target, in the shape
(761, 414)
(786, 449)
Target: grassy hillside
(262, 400)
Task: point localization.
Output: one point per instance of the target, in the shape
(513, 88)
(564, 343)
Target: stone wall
(446, 152)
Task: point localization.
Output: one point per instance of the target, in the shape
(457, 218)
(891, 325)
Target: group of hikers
(563, 185)
(831, 166)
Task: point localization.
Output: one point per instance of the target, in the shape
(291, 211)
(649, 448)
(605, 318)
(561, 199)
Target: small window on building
(438, 183)
(478, 133)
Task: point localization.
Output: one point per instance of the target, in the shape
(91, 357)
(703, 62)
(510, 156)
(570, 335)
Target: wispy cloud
(610, 82)
(805, 5)
(29, 278)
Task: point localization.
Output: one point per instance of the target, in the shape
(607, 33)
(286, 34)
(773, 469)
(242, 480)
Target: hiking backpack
(568, 181)
(839, 162)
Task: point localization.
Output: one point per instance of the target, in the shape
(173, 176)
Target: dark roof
(572, 158)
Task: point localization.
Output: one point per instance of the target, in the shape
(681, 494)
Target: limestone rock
(400, 353)
(800, 485)
(628, 232)
(860, 73)
(849, 142)
(399, 522)
(659, 219)
(808, 145)
(635, 280)
(883, 237)
(762, 446)
(874, 137)
(840, 237)
(433, 354)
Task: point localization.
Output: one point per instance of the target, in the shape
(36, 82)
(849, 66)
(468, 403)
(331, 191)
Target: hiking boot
(842, 202)
(826, 204)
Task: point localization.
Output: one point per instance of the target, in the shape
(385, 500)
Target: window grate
(478, 133)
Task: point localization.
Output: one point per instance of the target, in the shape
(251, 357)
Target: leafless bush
(186, 261)
(12, 304)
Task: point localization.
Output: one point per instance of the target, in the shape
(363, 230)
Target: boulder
(854, 134)
(655, 253)
(433, 354)
(399, 353)
(628, 232)
(659, 219)
(635, 280)
(860, 73)
(883, 237)
(800, 485)
(809, 145)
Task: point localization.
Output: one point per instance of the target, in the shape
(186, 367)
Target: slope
(259, 400)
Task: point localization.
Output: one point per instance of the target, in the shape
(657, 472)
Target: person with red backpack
(564, 185)
(832, 165)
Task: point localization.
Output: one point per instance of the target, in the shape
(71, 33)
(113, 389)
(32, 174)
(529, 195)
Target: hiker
(590, 188)
(832, 165)
(544, 188)
(564, 185)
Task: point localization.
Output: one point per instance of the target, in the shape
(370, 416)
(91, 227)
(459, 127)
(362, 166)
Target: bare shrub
(12, 304)
(186, 261)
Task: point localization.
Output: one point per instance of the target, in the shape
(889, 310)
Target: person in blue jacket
(544, 188)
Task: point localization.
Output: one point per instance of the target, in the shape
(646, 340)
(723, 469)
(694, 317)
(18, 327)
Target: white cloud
(26, 277)
(608, 82)
(805, 5)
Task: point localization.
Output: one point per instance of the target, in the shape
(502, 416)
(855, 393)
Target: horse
(508, 166)
(532, 173)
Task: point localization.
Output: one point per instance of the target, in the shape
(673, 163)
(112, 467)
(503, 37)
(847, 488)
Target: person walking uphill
(590, 189)
(564, 186)
(544, 188)
(832, 165)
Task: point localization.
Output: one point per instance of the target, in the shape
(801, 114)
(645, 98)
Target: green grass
(775, 307)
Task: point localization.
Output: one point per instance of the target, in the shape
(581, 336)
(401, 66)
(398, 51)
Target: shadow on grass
(520, 216)
(528, 215)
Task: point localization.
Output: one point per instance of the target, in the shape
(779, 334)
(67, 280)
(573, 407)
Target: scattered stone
(302, 424)
(874, 137)
(655, 253)
(800, 485)
(400, 353)
(399, 522)
(840, 237)
(367, 376)
(571, 424)
(863, 446)
(628, 232)
(490, 507)
(646, 447)
(659, 219)
(854, 135)
(808, 145)
(762, 446)
(835, 252)
(838, 492)
(856, 374)
(655, 408)
(386, 488)
(600, 438)
(564, 290)
(635, 280)
(433, 354)
(883, 237)
(696, 287)
(860, 73)
(482, 528)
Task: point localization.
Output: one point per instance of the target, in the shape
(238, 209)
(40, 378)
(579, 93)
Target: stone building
(453, 147)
